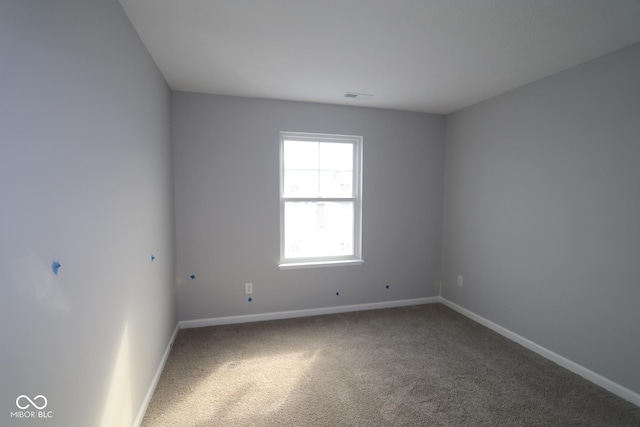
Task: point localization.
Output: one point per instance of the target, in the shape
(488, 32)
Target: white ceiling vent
(356, 95)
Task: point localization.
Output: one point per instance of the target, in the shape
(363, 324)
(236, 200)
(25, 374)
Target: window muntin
(320, 197)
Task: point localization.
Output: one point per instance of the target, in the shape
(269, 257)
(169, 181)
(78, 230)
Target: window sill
(291, 266)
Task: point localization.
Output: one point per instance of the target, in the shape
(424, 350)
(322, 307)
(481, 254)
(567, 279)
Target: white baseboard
(156, 378)
(597, 379)
(214, 321)
(589, 375)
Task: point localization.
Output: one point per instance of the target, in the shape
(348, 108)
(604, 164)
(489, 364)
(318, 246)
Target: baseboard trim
(215, 321)
(156, 378)
(595, 378)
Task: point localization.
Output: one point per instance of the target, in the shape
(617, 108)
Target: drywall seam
(214, 321)
(156, 378)
(587, 374)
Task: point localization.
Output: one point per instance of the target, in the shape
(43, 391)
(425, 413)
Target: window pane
(336, 156)
(301, 155)
(315, 229)
(300, 183)
(336, 183)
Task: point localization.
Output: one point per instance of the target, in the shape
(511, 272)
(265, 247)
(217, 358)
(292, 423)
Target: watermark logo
(30, 402)
(31, 407)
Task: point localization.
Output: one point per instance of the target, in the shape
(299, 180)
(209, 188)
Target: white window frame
(325, 261)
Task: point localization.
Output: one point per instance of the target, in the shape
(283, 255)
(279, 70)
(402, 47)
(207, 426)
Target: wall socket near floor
(248, 288)
(460, 281)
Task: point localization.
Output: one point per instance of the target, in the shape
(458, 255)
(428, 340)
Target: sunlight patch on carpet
(247, 388)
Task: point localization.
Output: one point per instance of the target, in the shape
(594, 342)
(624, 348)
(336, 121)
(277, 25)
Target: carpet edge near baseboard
(247, 318)
(572, 366)
(156, 377)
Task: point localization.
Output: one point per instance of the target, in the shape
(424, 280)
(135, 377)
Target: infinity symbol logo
(31, 402)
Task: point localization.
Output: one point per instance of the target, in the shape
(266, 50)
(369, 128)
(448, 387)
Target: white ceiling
(432, 56)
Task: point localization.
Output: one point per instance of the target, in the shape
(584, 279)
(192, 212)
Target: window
(320, 199)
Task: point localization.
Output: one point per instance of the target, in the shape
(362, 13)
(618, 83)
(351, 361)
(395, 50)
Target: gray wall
(227, 209)
(85, 178)
(542, 210)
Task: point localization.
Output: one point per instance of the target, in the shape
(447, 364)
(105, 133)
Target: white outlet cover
(460, 281)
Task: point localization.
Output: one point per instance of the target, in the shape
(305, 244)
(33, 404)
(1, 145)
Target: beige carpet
(415, 366)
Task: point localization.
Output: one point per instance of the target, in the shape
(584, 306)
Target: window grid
(327, 208)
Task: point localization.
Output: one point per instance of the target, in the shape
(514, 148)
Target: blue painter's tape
(153, 257)
(193, 276)
(55, 267)
(250, 299)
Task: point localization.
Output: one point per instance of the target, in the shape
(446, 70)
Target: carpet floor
(423, 365)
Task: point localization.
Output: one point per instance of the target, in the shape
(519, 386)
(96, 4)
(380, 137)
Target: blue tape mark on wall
(387, 286)
(55, 267)
(193, 276)
(153, 257)
(338, 293)
(250, 299)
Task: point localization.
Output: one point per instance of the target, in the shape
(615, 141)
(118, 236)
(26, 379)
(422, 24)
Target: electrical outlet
(248, 288)
(460, 281)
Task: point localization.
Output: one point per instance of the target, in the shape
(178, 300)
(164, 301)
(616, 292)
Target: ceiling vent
(356, 95)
